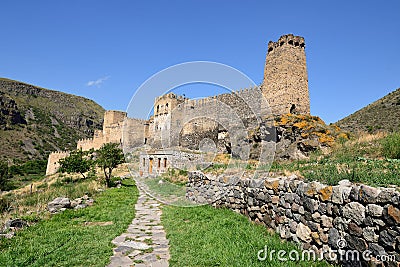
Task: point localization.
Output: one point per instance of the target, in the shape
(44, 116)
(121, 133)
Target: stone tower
(285, 84)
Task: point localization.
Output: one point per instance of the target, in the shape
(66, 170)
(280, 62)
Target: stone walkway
(145, 242)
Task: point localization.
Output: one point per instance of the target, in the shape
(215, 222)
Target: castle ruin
(285, 87)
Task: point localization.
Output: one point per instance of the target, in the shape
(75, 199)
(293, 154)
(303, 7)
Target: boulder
(58, 204)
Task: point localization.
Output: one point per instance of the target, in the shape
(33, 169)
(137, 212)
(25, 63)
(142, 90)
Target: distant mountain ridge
(381, 115)
(35, 121)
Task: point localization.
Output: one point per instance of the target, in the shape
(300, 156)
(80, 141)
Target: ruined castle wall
(52, 162)
(85, 144)
(285, 82)
(134, 132)
(112, 117)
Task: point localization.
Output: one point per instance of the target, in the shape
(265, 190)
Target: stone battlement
(288, 39)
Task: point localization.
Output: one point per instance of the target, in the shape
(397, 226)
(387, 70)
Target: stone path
(145, 242)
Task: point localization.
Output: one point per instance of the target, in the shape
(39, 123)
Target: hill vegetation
(35, 121)
(381, 115)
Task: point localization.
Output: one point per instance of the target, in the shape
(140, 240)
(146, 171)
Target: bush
(391, 146)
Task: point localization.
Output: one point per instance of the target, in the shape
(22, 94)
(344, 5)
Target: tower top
(287, 39)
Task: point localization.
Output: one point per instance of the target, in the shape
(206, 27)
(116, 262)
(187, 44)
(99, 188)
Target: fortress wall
(112, 117)
(52, 162)
(85, 144)
(134, 132)
(285, 82)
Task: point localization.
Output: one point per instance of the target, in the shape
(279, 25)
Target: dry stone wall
(317, 216)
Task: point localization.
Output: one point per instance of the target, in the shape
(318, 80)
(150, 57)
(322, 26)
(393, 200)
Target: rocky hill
(35, 121)
(381, 115)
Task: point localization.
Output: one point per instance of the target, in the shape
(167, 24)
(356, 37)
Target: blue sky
(105, 50)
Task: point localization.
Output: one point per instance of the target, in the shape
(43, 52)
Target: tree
(109, 156)
(78, 161)
(4, 175)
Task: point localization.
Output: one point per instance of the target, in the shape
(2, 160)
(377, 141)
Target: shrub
(391, 146)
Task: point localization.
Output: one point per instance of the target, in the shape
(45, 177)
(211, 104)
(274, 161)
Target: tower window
(290, 42)
(270, 49)
(293, 109)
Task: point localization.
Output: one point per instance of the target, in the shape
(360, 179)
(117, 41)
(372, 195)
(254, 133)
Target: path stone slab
(145, 226)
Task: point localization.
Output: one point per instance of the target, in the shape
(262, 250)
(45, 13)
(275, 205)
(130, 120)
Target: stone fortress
(285, 87)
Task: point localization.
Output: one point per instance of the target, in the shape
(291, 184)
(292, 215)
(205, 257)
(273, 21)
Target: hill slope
(35, 121)
(381, 115)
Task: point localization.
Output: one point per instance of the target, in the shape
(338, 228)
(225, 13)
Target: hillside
(381, 115)
(35, 121)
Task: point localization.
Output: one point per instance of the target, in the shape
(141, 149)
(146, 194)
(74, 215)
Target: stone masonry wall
(285, 82)
(313, 214)
(52, 162)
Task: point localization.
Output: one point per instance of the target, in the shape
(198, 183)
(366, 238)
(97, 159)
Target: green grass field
(205, 236)
(73, 238)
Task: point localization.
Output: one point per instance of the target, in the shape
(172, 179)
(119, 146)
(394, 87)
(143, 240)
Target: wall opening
(293, 109)
(145, 140)
(159, 163)
(270, 49)
(165, 162)
(151, 166)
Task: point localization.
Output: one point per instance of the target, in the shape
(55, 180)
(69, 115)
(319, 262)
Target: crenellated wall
(363, 218)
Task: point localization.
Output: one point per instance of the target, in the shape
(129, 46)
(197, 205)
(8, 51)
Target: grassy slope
(58, 121)
(64, 240)
(381, 115)
(359, 160)
(204, 236)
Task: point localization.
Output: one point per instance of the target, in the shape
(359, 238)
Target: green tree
(4, 175)
(109, 156)
(78, 161)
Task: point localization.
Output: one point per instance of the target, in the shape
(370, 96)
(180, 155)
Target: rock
(326, 221)
(340, 194)
(374, 210)
(301, 210)
(7, 235)
(354, 211)
(293, 226)
(376, 249)
(15, 223)
(58, 203)
(386, 196)
(356, 243)
(354, 229)
(387, 240)
(316, 217)
(275, 199)
(368, 194)
(333, 238)
(392, 214)
(325, 193)
(303, 233)
(369, 234)
(322, 208)
(80, 206)
(310, 204)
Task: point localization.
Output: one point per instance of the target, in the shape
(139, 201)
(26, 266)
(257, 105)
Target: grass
(205, 236)
(360, 160)
(65, 239)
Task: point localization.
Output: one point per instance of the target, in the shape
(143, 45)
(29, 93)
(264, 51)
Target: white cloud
(97, 82)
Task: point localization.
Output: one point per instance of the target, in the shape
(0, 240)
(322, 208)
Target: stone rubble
(315, 215)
